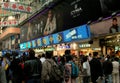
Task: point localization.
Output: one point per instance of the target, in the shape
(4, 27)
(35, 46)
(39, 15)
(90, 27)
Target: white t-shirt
(42, 59)
(115, 67)
(86, 66)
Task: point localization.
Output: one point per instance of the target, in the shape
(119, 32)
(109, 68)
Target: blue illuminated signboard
(77, 33)
(33, 43)
(81, 32)
(67, 35)
(57, 38)
(23, 46)
(45, 40)
(39, 42)
(28, 44)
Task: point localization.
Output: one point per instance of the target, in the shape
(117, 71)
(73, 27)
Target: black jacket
(96, 67)
(107, 67)
(33, 68)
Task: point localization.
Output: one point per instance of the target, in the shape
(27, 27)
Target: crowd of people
(67, 68)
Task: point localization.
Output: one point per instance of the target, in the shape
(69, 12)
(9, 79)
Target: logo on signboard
(77, 10)
(71, 33)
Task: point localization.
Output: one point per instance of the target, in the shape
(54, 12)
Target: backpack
(75, 70)
(55, 74)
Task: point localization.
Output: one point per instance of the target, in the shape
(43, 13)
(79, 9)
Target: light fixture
(100, 18)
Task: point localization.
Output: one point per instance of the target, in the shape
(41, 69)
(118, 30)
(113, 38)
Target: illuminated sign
(81, 32)
(34, 43)
(45, 40)
(8, 23)
(23, 46)
(77, 33)
(17, 7)
(29, 45)
(39, 42)
(57, 38)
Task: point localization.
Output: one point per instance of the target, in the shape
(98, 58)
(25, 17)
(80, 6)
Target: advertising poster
(23, 46)
(106, 27)
(66, 15)
(57, 38)
(34, 43)
(29, 45)
(39, 42)
(45, 41)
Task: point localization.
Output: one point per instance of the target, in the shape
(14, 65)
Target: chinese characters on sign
(17, 7)
(8, 23)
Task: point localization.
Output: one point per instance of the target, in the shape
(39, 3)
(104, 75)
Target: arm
(46, 27)
(54, 24)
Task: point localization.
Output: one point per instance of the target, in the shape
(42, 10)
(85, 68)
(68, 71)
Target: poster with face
(106, 27)
(65, 15)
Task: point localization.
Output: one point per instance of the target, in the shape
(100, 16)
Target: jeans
(108, 79)
(33, 81)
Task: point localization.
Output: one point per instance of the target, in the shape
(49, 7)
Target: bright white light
(11, 18)
(12, 0)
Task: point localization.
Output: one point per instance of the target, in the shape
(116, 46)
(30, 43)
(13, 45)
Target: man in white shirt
(42, 59)
(86, 70)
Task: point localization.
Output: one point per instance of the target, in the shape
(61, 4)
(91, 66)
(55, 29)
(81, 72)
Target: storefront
(86, 48)
(59, 42)
(110, 43)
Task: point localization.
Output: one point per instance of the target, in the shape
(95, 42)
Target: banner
(65, 15)
(16, 7)
(59, 18)
(106, 27)
(8, 23)
(74, 34)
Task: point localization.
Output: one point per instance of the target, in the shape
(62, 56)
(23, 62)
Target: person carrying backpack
(51, 72)
(74, 70)
(71, 70)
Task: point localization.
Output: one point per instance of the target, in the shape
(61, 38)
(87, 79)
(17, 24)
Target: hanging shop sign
(4, 13)
(16, 7)
(8, 23)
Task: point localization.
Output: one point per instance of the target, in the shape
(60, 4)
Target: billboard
(77, 33)
(106, 27)
(59, 18)
(65, 15)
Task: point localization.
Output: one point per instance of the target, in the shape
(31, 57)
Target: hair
(52, 13)
(117, 51)
(68, 58)
(31, 54)
(95, 54)
(43, 55)
(114, 19)
(49, 54)
(67, 52)
(85, 58)
(116, 59)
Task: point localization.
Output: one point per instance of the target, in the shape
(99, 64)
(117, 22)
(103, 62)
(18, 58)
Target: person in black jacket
(96, 68)
(107, 69)
(32, 68)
